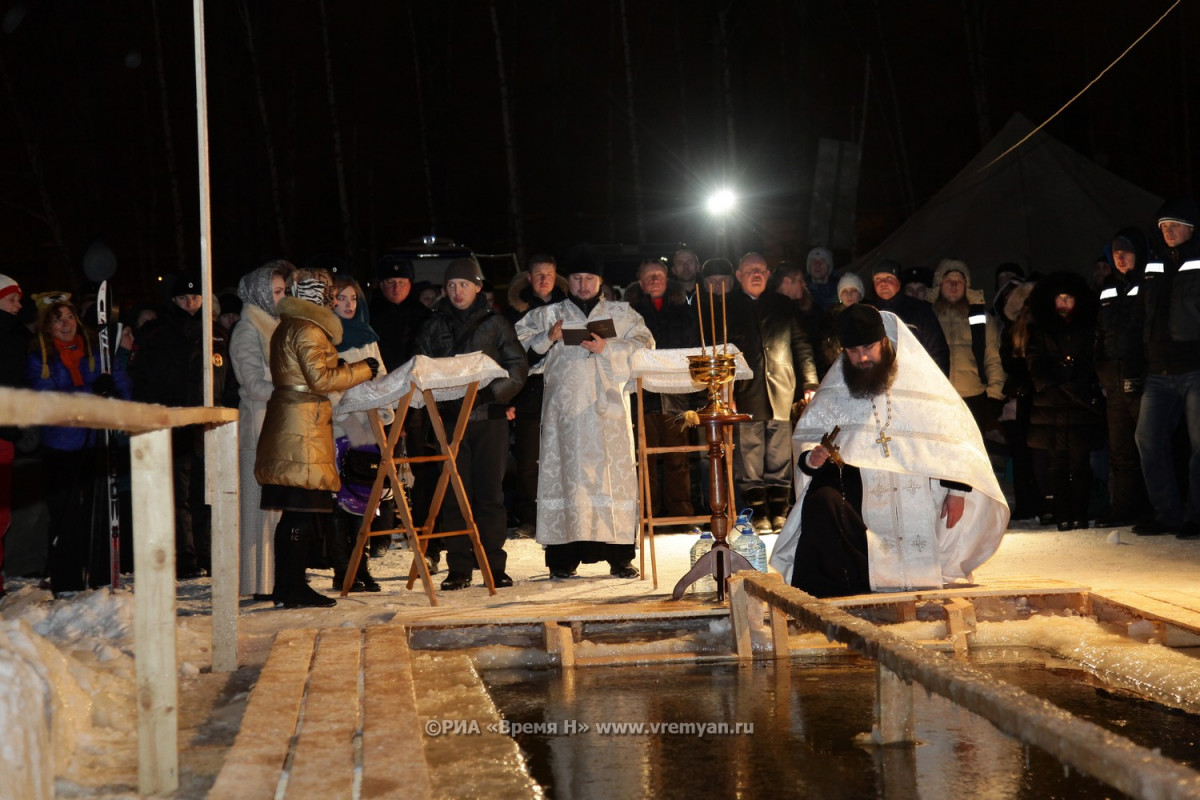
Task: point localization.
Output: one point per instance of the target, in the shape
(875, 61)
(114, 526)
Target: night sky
(98, 130)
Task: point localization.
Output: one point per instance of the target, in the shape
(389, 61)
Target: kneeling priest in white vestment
(913, 503)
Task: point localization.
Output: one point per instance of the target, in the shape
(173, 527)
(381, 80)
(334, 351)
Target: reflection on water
(807, 719)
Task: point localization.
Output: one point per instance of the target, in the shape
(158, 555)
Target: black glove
(104, 385)
(373, 363)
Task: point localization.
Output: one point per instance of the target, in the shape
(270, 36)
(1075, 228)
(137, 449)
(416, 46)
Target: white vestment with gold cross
(928, 436)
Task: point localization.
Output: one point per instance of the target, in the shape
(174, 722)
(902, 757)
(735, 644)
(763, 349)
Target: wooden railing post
(221, 466)
(154, 612)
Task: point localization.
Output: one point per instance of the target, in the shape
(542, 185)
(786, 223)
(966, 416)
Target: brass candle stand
(716, 371)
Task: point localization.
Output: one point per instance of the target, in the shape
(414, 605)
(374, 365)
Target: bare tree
(684, 142)
(973, 22)
(268, 142)
(514, 186)
(421, 126)
(631, 121)
(48, 216)
(896, 128)
(339, 159)
(168, 140)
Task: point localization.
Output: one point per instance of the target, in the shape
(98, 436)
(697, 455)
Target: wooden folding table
(422, 382)
(666, 372)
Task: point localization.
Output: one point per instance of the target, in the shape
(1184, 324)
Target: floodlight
(721, 202)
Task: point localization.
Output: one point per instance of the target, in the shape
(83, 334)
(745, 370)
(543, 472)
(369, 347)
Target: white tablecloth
(448, 378)
(666, 371)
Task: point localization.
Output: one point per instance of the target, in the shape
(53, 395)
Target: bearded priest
(903, 497)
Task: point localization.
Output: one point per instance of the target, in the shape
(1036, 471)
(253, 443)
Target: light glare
(721, 202)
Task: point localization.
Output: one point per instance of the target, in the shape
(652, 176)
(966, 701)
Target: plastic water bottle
(746, 543)
(702, 546)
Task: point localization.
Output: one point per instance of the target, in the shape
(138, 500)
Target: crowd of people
(1089, 388)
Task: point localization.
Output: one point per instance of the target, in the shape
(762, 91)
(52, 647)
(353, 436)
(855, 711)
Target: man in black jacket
(463, 322)
(1167, 313)
(169, 370)
(788, 279)
(1122, 380)
(674, 325)
(538, 286)
(396, 315)
(917, 315)
(769, 334)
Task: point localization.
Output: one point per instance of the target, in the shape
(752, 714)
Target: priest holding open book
(587, 477)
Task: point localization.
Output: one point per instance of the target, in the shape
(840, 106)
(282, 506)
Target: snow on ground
(67, 670)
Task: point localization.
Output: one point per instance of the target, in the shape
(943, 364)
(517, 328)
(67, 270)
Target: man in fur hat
(910, 500)
(973, 338)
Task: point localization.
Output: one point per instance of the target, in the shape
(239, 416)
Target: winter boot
(777, 506)
(293, 535)
(342, 539)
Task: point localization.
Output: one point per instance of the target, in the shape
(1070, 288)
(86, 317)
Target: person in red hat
(14, 347)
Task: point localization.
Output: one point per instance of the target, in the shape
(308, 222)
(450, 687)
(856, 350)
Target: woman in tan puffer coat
(296, 463)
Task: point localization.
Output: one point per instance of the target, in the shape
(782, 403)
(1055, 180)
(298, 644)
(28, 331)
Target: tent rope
(1083, 90)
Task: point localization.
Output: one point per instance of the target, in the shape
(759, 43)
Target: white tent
(1043, 206)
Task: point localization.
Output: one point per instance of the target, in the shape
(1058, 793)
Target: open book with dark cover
(602, 327)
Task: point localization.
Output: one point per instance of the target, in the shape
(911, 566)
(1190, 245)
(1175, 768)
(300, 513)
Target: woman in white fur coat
(249, 350)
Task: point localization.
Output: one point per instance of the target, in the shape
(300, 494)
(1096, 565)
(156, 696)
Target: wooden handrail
(1106, 756)
(149, 427)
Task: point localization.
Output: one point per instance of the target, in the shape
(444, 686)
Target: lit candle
(724, 329)
(712, 319)
(700, 320)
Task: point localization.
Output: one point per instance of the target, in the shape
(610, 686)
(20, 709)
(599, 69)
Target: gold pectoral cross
(883, 440)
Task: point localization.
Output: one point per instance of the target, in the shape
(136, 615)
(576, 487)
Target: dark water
(807, 721)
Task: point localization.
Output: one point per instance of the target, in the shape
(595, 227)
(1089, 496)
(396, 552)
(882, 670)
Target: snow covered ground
(67, 670)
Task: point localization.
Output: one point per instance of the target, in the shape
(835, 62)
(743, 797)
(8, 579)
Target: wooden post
(221, 467)
(893, 708)
(154, 613)
(741, 608)
(560, 641)
(779, 633)
(960, 621)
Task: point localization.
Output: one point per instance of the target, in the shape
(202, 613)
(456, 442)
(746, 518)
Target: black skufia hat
(859, 325)
(584, 258)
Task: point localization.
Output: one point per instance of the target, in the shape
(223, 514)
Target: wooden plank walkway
(1176, 612)
(333, 715)
(1012, 587)
(342, 713)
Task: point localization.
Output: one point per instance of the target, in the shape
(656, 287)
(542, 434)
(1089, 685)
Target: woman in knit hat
(65, 358)
(297, 463)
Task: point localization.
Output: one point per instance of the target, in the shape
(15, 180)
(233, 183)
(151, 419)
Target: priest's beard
(866, 382)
